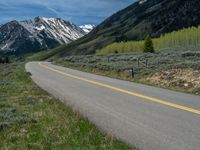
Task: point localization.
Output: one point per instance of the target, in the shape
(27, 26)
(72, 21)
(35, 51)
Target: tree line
(188, 38)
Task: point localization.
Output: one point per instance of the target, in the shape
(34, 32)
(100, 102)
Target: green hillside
(136, 22)
(185, 39)
(43, 55)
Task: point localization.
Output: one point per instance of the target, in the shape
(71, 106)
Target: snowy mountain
(87, 28)
(37, 34)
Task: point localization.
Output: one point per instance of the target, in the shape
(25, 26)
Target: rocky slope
(19, 37)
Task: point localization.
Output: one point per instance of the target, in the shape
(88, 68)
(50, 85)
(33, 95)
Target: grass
(31, 119)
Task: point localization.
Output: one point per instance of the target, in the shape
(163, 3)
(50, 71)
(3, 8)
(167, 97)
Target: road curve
(147, 117)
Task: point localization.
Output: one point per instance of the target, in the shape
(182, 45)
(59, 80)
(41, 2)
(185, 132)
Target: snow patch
(40, 28)
(87, 28)
(5, 46)
(142, 1)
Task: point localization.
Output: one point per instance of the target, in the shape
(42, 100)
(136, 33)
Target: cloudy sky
(77, 11)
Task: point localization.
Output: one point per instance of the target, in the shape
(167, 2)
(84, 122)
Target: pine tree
(7, 60)
(148, 45)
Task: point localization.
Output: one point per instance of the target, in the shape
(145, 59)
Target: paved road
(148, 117)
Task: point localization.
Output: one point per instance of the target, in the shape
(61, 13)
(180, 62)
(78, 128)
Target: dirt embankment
(188, 79)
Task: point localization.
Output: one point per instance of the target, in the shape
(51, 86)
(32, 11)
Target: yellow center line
(163, 102)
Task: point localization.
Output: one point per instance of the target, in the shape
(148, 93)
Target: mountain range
(40, 33)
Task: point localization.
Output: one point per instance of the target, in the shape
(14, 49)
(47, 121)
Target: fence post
(133, 72)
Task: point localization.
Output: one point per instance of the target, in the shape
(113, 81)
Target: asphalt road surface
(147, 117)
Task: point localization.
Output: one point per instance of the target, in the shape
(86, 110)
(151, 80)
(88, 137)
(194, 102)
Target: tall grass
(183, 39)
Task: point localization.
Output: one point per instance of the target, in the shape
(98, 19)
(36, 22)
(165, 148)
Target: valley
(131, 81)
(175, 54)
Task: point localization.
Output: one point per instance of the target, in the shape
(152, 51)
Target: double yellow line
(163, 102)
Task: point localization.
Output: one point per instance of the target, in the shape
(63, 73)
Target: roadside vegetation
(177, 70)
(185, 39)
(31, 119)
